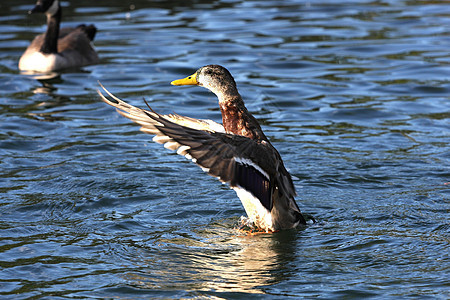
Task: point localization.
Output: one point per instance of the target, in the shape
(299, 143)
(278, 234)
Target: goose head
(49, 7)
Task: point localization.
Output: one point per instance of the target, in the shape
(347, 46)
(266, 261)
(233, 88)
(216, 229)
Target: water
(354, 95)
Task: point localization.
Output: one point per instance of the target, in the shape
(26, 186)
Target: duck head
(215, 78)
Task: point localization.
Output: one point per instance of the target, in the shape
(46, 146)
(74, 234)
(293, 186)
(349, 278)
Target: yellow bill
(190, 80)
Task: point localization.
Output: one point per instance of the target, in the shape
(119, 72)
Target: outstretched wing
(133, 113)
(231, 158)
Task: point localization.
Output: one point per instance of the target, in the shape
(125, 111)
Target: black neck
(50, 44)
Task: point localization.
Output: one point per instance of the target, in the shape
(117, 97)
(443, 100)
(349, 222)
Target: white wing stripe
(246, 161)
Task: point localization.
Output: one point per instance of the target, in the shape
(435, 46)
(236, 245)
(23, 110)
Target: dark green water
(354, 95)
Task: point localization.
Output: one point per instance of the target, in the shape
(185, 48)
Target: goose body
(237, 153)
(57, 48)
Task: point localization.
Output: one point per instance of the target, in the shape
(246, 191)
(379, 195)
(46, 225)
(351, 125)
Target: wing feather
(230, 158)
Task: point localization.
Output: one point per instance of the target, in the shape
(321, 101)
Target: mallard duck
(237, 152)
(58, 49)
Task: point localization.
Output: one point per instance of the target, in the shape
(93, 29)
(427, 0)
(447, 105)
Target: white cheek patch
(53, 8)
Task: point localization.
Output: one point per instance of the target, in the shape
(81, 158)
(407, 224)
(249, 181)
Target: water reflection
(41, 76)
(227, 262)
(353, 96)
(48, 83)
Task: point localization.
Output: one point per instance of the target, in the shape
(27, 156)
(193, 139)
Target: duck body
(57, 48)
(237, 152)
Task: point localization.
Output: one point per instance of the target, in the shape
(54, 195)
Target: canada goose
(58, 49)
(237, 152)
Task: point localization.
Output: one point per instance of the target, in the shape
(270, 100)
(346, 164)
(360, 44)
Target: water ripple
(354, 95)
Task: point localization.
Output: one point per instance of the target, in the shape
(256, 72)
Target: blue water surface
(353, 94)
